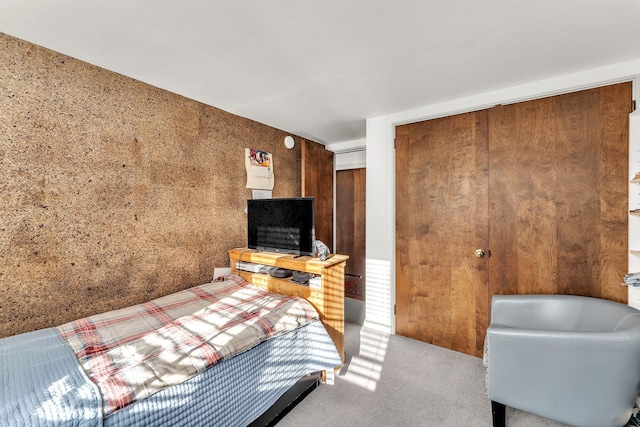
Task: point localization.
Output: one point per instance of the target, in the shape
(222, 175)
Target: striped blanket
(134, 352)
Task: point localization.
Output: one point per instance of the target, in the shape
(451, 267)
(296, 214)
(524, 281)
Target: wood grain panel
(615, 107)
(558, 194)
(523, 250)
(344, 212)
(557, 208)
(577, 193)
(317, 181)
(441, 218)
(351, 227)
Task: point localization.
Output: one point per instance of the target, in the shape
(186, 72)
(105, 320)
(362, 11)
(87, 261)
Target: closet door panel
(351, 228)
(615, 107)
(558, 202)
(522, 212)
(441, 219)
(577, 145)
(543, 183)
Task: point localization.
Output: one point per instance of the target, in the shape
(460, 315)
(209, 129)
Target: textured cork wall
(113, 192)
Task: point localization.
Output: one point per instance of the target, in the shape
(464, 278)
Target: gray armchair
(568, 358)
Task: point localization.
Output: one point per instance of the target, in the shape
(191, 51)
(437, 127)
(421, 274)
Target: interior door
(441, 220)
(350, 228)
(541, 186)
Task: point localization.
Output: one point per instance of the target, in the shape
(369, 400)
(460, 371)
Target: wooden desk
(328, 300)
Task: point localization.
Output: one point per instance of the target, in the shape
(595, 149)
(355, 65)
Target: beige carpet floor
(390, 380)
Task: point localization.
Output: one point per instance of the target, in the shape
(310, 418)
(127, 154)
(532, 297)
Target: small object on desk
(250, 266)
(280, 273)
(315, 283)
(320, 249)
(301, 278)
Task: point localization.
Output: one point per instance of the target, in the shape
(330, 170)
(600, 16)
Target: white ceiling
(319, 68)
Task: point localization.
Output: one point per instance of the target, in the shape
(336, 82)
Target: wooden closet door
(317, 181)
(441, 219)
(540, 185)
(558, 204)
(351, 229)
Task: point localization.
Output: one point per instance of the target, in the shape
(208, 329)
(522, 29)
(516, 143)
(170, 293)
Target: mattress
(43, 385)
(238, 390)
(134, 352)
(43, 382)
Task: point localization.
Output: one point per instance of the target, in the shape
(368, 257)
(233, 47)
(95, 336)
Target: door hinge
(394, 143)
(633, 105)
(394, 309)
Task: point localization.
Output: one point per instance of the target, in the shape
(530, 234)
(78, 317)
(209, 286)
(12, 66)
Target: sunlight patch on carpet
(365, 368)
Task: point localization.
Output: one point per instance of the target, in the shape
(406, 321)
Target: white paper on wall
(259, 165)
(261, 194)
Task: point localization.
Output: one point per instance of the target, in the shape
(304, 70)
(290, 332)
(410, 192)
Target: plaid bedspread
(134, 352)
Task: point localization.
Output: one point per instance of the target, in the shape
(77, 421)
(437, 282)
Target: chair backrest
(599, 315)
(563, 313)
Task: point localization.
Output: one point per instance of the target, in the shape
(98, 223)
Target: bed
(224, 353)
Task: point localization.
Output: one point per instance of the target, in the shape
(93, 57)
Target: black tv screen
(281, 225)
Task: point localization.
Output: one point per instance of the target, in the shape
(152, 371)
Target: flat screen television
(281, 225)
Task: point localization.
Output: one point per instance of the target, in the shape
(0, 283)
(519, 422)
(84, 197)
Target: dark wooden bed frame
(288, 401)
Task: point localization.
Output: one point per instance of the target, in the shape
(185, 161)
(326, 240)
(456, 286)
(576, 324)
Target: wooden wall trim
(317, 181)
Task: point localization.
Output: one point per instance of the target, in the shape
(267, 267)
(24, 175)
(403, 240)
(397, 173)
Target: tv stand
(328, 300)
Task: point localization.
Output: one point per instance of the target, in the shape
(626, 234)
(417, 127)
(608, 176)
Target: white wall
(349, 154)
(380, 159)
(351, 160)
(380, 234)
(634, 202)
